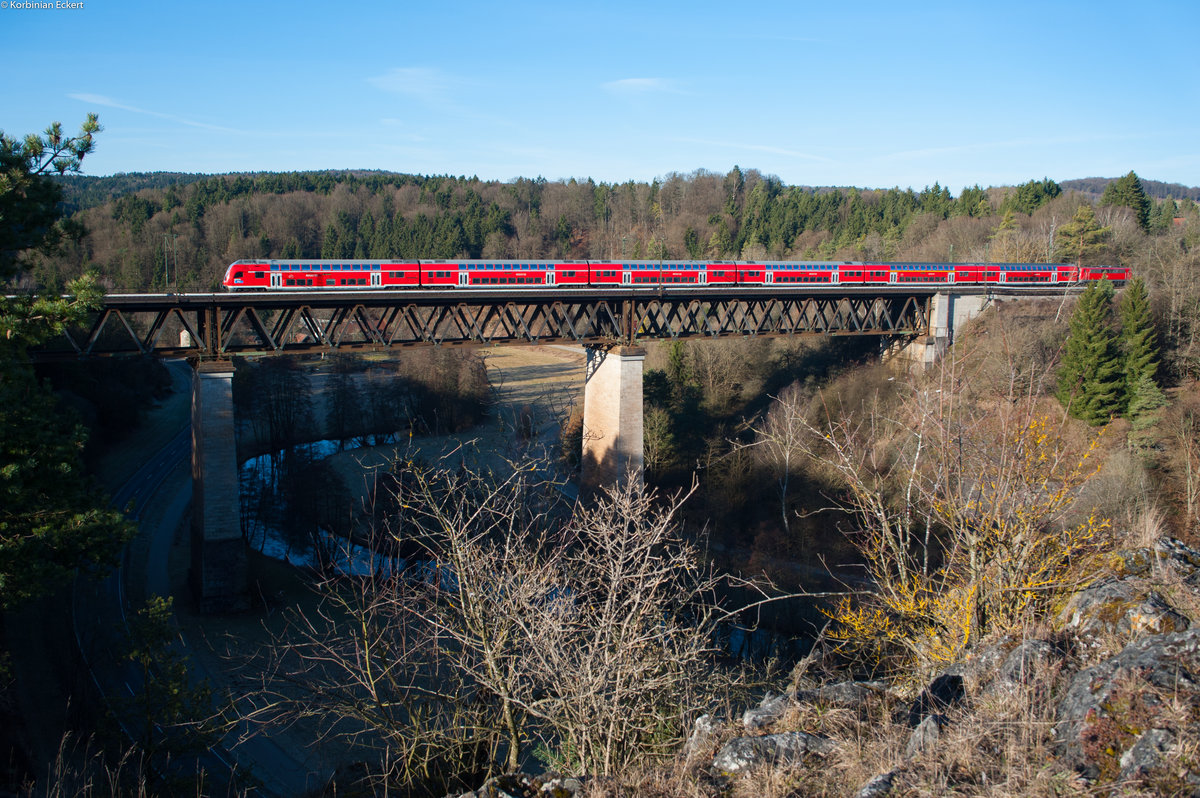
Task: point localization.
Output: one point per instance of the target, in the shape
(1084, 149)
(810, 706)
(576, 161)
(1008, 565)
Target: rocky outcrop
(780, 750)
(879, 786)
(1117, 677)
(704, 730)
(1120, 608)
(845, 695)
(770, 710)
(522, 785)
(1151, 687)
(1170, 556)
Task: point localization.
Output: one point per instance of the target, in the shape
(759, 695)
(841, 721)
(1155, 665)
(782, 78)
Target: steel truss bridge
(219, 326)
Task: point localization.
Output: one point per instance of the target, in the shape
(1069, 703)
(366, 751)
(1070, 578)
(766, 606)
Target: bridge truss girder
(226, 325)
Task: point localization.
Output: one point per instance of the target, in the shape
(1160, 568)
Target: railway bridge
(917, 322)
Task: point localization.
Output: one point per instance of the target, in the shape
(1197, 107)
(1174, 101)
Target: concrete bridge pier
(612, 418)
(219, 572)
(947, 312)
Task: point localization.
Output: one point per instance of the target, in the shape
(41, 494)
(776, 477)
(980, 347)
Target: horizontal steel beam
(218, 326)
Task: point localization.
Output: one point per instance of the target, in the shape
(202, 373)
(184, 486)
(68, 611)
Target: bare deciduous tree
(582, 635)
(959, 499)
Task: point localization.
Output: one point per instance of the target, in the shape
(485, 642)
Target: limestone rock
(771, 709)
(1024, 660)
(925, 736)
(790, 748)
(1119, 607)
(878, 787)
(848, 695)
(1184, 559)
(1107, 702)
(1170, 553)
(1145, 754)
(980, 666)
(522, 785)
(703, 730)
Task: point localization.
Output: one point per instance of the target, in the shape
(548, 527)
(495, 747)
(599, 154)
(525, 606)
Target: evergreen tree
(1127, 192)
(1028, 197)
(1082, 237)
(1144, 403)
(30, 212)
(52, 523)
(1091, 377)
(1138, 342)
(1137, 332)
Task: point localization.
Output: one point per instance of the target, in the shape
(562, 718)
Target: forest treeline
(153, 231)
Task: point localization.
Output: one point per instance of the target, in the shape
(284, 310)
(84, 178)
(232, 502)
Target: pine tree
(1091, 375)
(1127, 192)
(1082, 237)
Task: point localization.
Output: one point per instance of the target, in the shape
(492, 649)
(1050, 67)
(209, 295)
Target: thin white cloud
(108, 102)
(422, 83)
(630, 86)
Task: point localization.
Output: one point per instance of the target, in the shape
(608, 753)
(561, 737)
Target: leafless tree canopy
(525, 628)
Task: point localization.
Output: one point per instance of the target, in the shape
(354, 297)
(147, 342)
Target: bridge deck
(220, 325)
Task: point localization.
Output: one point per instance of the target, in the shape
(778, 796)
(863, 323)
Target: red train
(349, 274)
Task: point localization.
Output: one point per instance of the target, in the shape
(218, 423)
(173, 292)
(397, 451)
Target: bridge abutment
(219, 572)
(612, 418)
(947, 312)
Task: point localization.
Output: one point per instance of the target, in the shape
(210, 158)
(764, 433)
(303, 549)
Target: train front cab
(245, 275)
(235, 276)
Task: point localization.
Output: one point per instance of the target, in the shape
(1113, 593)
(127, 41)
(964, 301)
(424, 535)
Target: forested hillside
(184, 230)
(1154, 188)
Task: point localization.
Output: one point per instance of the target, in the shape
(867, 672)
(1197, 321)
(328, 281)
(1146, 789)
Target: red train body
(351, 274)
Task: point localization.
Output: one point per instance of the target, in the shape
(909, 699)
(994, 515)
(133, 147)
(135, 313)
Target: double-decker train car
(351, 274)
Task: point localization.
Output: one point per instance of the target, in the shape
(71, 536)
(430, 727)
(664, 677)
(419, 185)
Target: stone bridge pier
(612, 418)
(219, 572)
(947, 312)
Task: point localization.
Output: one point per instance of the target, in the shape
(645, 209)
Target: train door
(891, 275)
(950, 276)
(276, 280)
(768, 276)
(376, 279)
(702, 279)
(626, 277)
(550, 275)
(463, 276)
(835, 276)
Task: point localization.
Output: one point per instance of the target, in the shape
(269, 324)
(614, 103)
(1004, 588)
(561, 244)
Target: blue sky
(872, 94)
